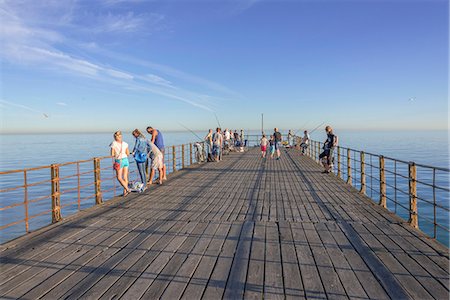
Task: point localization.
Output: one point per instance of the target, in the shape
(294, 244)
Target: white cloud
(17, 105)
(61, 103)
(156, 80)
(39, 37)
(119, 74)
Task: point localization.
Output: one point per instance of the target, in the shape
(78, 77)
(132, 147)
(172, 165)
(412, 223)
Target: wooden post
(190, 153)
(174, 160)
(56, 201)
(349, 167)
(363, 174)
(182, 156)
(413, 216)
(338, 162)
(98, 187)
(382, 183)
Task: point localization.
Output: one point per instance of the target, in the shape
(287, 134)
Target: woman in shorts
(120, 152)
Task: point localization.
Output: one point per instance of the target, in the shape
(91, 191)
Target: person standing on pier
(328, 148)
(272, 146)
(305, 141)
(277, 142)
(120, 152)
(217, 144)
(290, 137)
(157, 163)
(263, 143)
(208, 139)
(140, 153)
(158, 140)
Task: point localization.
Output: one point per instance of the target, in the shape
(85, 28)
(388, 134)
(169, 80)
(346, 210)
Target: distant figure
(327, 155)
(217, 144)
(243, 140)
(140, 153)
(236, 139)
(263, 143)
(158, 140)
(290, 137)
(278, 139)
(272, 146)
(208, 140)
(226, 141)
(120, 152)
(157, 163)
(305, 141)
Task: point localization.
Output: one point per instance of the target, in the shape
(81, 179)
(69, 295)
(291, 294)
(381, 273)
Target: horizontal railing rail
(33, 198)
(418, 193)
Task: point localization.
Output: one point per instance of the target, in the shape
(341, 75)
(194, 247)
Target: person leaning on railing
(328, 147)
(120, 152)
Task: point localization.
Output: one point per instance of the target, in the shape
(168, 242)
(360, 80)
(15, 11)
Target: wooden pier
(245, 227)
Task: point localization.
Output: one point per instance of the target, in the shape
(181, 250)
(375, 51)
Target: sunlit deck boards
(242, 228)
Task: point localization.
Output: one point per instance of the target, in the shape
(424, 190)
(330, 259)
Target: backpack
(140, 155)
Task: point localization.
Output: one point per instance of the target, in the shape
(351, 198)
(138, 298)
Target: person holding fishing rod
(305, 141)
(328, 148)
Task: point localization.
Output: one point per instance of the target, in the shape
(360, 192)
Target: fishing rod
(316, 127)
(217, 119)
(304, 124)
(201, 139)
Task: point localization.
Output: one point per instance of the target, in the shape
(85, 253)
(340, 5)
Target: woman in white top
(120, 152)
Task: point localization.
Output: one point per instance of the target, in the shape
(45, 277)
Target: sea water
(34, 150)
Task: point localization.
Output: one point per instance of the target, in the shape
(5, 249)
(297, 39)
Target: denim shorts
(123, 162)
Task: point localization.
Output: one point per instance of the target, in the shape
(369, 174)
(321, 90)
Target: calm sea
(29, 151)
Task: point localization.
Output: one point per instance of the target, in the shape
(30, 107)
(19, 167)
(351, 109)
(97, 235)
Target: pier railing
(36, 197)
(416, 192)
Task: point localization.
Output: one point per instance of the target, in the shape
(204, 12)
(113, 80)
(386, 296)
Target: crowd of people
(221, 142)
(149, 152)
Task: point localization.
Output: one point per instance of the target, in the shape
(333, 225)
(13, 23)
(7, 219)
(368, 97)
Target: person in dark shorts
(326, 156)
(278, 139)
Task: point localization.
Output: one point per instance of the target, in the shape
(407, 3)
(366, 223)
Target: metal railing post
(182, 156)
(349, 167)
(190, 153)
(338, 161)
(363, 174)
(318, 152)
(174, 159)
(25, 200)
(382, 202)
(56, 201)
(97, 180)
(413, 215)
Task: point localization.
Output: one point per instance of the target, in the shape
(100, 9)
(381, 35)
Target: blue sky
(79, 65)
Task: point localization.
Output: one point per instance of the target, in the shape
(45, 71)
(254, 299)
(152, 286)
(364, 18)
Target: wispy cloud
(241, 6)
(20, 106)
(29, 40)
(125, 23)
(61, 103)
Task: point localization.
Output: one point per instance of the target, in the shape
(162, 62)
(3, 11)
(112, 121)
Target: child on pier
(263, 143)
(272, 146)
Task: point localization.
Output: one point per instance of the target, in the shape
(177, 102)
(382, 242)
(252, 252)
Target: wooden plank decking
(242, 228)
